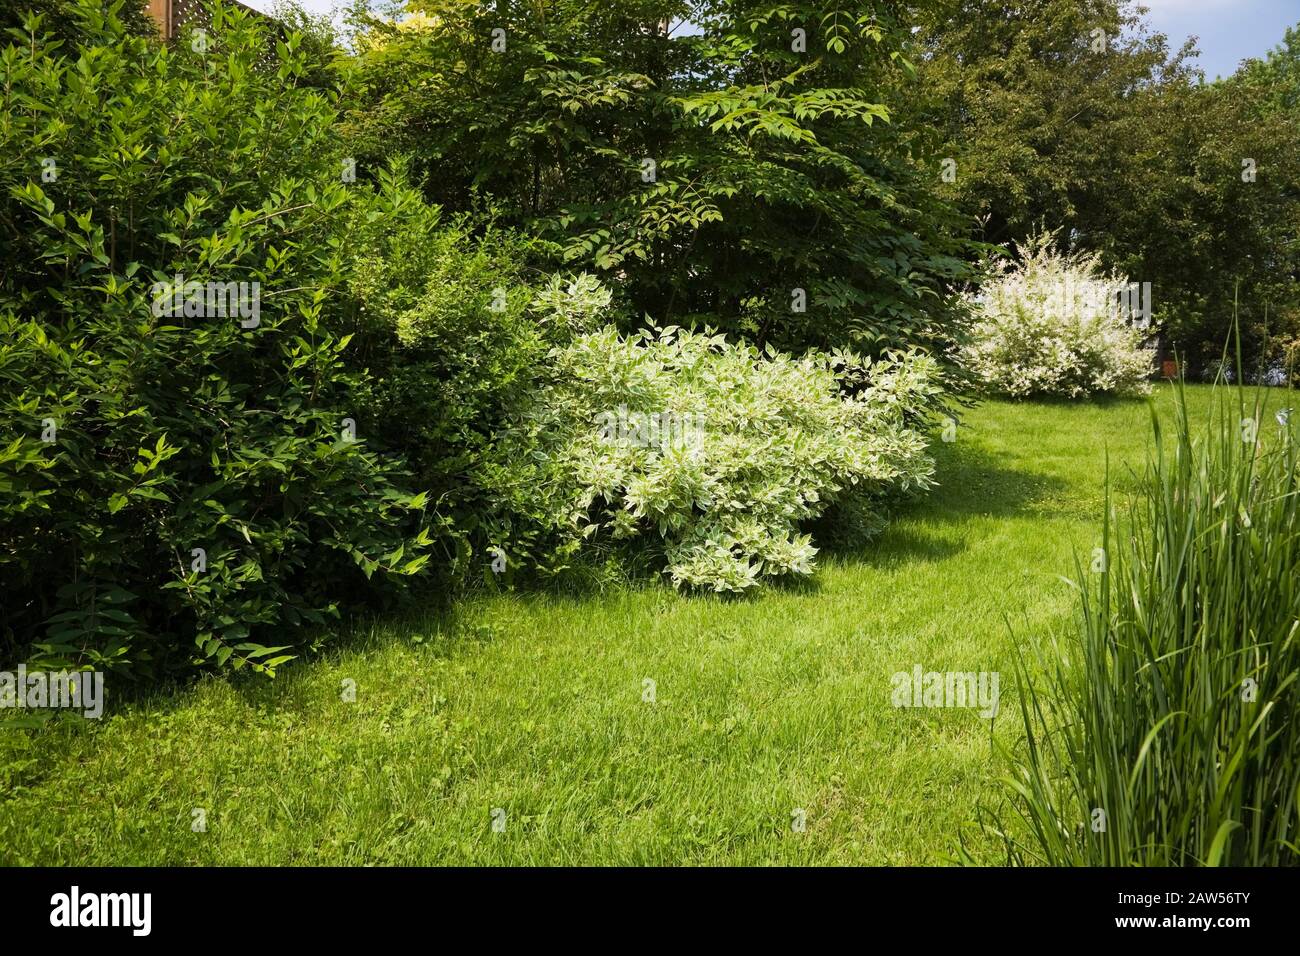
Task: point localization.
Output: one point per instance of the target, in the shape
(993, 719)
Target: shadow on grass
(972, 482)
(897, 545)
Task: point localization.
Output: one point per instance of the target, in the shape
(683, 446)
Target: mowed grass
(536, 707)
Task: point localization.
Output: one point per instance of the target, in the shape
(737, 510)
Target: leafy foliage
(1074, 114)
(180, 488)
(59, 22)
(446, 322)
(1049, 324)
(744, 177)
(716, 449)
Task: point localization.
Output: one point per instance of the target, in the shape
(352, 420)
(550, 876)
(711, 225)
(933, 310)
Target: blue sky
(1228, 30)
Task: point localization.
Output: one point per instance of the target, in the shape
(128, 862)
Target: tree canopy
(740, 170)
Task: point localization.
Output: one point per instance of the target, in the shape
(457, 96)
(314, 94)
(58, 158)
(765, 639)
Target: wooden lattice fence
(174, 17)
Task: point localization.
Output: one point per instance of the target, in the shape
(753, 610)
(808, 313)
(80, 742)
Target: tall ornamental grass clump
(1049, 324)
(1167, 733)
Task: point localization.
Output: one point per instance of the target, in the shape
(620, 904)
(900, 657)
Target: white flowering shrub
(718, 451)
(1050, 324)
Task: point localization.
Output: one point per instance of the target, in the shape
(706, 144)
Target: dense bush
(1168, 732)
(60, 23)
(181, 488)
(1050, 324)
(711, 451)
(444, 322)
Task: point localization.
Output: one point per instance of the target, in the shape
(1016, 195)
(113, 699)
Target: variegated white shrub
(1049, 324)
(719, 450)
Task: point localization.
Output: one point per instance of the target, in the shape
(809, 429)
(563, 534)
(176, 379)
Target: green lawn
(535, 705)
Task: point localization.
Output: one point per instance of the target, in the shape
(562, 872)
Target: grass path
(535, 705)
